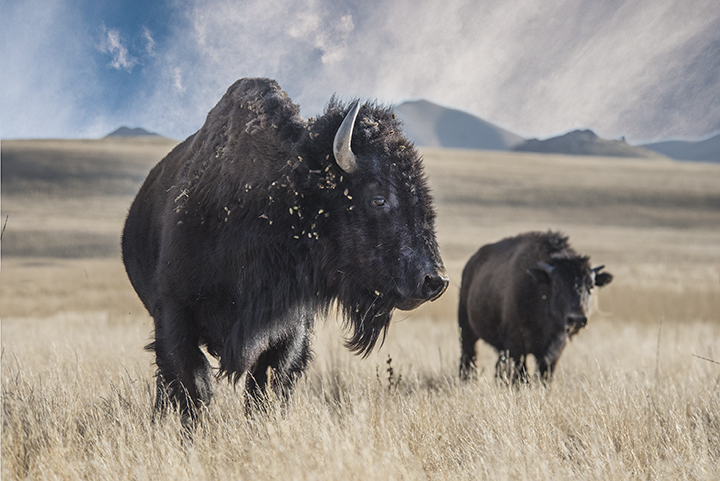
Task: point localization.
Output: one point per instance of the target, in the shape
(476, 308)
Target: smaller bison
(525, 295)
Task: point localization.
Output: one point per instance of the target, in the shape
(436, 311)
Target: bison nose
(576, 320)
(434, 286)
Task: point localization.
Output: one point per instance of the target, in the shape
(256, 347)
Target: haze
(647, 70)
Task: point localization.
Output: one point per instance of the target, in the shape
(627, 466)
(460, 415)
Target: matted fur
(524, 295)
(249, 230)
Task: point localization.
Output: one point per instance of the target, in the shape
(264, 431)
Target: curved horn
(596, 271)
(344, 155)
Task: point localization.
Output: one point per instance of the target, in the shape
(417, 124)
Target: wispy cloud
(149, 42)
(330, 39)
(113, 45)
(536, 68)
(48, 87)
(178, 80)
(645, 69)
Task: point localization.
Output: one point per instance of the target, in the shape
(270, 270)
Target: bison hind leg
(187, 391)
(184, 375)
(468, 339)
(468, 369)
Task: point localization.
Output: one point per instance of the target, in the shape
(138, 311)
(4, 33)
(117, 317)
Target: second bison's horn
(344, 155)
(546, 267)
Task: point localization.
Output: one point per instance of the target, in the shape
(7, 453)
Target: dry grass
(630, 401)
(77, 392)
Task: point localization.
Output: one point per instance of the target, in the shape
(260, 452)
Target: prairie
(636, 395)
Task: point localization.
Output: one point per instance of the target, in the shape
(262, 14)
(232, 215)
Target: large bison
(260, 222)
(524, 295)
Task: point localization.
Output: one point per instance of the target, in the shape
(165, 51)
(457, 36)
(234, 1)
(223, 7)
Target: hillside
(68, 198)
(110, 166)
(128, 132)
(584, 142)
(431, 125)
(704, 150)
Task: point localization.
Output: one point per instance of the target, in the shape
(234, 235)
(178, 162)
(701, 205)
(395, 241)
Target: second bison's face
(567, 285)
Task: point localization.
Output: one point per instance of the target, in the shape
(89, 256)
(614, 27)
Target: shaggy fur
(249, 230)
(524, 295)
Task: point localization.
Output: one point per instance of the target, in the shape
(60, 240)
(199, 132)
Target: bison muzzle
(524, 295)
(260, 222)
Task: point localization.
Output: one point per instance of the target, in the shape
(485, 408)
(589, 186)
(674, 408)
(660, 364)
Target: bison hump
(555, 241)
(253, 113)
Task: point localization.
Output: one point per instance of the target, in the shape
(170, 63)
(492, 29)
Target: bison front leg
(293, 363)
(184, 374)
(509, 369)
(548, 357)
(503, 369)
(546, 367)
(256, 381)
(286, 360)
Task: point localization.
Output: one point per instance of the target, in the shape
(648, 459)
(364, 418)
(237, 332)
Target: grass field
(636, 395)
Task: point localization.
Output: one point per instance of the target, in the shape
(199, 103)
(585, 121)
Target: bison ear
(344, 155)
(603, 278)
(539, 275)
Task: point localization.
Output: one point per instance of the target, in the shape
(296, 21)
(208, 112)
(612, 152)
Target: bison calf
(259, 222)
(524, 295)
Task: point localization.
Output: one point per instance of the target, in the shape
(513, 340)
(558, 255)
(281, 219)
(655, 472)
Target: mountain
(128, 132)
(431, 125)
(585, 142)
(703, 150)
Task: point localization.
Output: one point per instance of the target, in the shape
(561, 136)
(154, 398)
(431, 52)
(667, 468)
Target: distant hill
(128, 132)
(585, 142)
(111, 166)
(703, 150)
(431, 125)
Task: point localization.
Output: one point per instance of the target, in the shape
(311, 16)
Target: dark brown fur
(249, 230)
(524, 295)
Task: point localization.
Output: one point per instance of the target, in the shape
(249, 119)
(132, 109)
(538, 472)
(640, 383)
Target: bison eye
(378, 201)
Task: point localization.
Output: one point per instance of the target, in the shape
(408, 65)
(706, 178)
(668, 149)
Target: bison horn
(596, 271)
(344, 155)
(546, 267)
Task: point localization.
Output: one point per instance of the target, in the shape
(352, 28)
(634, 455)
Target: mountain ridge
(699, 150)
(585, 142)
(131, 132)
(431, 125)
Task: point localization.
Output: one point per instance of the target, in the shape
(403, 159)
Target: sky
(643, 69)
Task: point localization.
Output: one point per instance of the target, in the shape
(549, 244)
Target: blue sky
(644, 69)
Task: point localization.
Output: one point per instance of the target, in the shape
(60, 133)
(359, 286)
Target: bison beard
(260, 222)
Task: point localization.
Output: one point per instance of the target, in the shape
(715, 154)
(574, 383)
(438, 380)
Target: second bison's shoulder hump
(544, 243)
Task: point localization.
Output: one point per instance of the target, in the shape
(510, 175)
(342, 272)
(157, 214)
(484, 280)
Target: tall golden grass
(636, 396)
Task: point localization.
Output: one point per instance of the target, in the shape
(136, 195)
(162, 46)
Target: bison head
(566, 286)
(377, 226)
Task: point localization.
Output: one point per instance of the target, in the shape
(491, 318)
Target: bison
(259, 223)
(524, 295)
